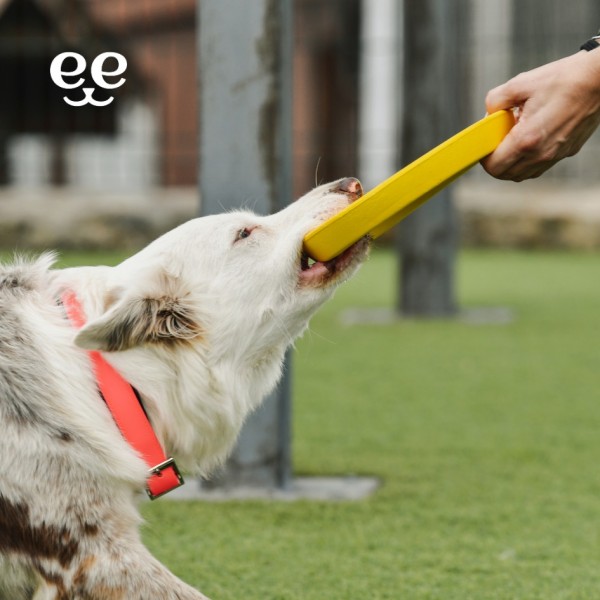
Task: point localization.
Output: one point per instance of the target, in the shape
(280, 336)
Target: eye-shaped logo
(97, 71)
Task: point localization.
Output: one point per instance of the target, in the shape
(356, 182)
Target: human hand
(557, 109)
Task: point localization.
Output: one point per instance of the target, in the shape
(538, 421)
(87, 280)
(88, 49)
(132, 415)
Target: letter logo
(98, 73)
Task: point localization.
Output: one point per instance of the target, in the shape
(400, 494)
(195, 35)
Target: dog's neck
(194, 404)
(197, 409)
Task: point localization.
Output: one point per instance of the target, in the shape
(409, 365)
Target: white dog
(198, 323)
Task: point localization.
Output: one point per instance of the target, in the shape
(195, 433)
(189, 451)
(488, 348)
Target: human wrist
(591, 59)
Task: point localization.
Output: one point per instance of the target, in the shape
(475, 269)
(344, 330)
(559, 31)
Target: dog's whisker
(317, 171)
(315, 334)
(284, 330)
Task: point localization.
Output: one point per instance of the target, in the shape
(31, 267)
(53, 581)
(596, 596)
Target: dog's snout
(350, 186)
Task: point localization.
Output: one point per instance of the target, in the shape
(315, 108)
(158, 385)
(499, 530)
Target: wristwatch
(591, 44)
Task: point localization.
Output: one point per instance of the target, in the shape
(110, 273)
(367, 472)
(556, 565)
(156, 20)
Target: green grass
(486, 438)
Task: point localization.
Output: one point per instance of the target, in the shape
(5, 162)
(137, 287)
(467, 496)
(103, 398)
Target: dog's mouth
(314, 272)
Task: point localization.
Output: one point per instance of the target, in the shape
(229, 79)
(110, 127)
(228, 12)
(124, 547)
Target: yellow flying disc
(388, 203)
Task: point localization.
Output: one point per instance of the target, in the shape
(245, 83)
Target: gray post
(433, 97)
(245, 59)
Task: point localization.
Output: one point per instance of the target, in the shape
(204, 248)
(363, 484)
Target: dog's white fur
(198, 322)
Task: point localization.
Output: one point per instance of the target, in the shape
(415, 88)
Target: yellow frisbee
(395, 198)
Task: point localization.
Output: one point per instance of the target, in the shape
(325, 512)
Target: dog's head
(207, 311)
(238, 282)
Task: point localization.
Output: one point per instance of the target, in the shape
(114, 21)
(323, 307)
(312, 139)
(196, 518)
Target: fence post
(433, 99)
(245, 62)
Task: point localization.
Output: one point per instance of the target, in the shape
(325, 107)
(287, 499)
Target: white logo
(98, 73)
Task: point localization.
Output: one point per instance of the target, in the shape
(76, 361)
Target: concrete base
(324, 489)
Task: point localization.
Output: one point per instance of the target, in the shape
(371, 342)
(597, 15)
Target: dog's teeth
(306, 262)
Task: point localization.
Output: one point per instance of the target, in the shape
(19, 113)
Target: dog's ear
(165, 316)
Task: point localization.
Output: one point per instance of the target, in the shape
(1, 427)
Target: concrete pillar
(245, 63)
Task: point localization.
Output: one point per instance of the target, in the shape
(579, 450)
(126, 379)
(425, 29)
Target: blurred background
(122, 174)
(484, 433)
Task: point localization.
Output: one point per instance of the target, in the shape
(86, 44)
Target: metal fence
(347, 57)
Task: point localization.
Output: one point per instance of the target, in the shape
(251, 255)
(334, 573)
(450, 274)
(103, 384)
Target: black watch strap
(591, 44)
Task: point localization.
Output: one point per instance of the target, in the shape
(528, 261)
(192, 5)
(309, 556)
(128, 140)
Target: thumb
(509, 95)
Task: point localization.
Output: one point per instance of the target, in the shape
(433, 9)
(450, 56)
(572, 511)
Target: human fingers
(527, 169)
(511, 94)
(540, 139)
(506, 157)
(517, 159)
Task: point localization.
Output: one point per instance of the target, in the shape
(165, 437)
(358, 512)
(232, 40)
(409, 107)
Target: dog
(198, 323)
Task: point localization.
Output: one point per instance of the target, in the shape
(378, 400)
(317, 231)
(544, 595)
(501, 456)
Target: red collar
(129, 415)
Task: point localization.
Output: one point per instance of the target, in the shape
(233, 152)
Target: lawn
(486, 439)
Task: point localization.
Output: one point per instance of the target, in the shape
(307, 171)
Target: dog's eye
(242, 234)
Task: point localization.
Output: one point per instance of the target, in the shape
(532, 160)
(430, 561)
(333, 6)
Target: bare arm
(558, 110)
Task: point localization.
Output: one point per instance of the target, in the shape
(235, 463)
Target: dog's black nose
(350, 185)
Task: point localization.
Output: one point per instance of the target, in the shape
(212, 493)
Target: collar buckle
(168, 471)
